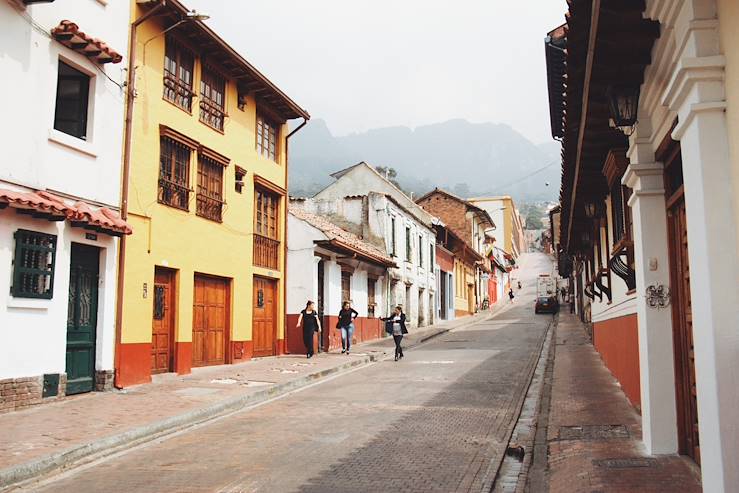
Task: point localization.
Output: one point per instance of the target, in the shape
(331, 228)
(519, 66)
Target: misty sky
(362, 64)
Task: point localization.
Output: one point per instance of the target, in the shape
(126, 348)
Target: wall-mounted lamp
(592, 209)
(623, 103)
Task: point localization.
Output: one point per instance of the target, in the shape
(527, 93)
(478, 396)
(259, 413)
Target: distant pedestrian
(308, 318)
(346, 325)
(511, 295)
(563, 292)
(396, 327)
(519, 284)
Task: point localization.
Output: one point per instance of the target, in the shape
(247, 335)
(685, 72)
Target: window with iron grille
(33, 265)
(267, 134)
(174, 173)
(72, 94)
(178, 70)
(210, 189)
(212, 98)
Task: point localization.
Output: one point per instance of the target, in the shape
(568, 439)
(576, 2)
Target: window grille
(210, 189)
(178, 70)
(33, 265)
(212, 99)
(174, 173)
(267, 134)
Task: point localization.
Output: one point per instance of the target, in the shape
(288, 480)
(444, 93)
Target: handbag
(389, 327)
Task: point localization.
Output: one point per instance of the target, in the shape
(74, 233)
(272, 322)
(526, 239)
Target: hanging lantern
(623, 103)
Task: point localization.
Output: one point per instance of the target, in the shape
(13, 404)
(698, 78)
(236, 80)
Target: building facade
(330, 265)
(204, 273)
(470, 223)
(62, 93)
(445, 270)
(654, 201)
(405, 229)
(509, 227)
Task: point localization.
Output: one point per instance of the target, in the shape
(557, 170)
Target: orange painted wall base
(183, 358)
(365, 329)
(617, 341)
(135, 364)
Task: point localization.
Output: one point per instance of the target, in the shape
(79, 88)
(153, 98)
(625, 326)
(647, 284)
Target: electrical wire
(526, 177)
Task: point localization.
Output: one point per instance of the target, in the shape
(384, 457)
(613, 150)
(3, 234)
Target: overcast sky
(361, 64)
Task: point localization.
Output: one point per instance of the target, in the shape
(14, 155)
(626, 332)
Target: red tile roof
(68, 33)
(343, 238)
(51, 207)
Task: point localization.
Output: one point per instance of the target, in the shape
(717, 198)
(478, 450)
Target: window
(420, 251)
(178, 70)
(239, 175)
(408, 249)
(174, 173)
(210, 189)
(72, 94)
(346, 289)
(432, 260)
(212, 98)
(393, 250)
(267, 134)
(371, 282)
(266, 243)
(33, 265)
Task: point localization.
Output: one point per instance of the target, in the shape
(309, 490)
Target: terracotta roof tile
(68, 33)
(345, 238)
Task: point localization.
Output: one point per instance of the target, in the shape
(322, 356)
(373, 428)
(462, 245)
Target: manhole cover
(625, 463)
(593, 432)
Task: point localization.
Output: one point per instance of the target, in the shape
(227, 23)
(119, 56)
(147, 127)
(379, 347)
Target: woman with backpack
(346, 325)
(395, 325)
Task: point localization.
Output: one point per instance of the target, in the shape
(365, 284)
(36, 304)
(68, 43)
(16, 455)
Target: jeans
(398, 349)
(346, 336)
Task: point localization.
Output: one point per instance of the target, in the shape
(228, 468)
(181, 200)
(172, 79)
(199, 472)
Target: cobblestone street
(438, 420)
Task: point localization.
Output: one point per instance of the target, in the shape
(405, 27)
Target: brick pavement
(70, 423)
(594, 433)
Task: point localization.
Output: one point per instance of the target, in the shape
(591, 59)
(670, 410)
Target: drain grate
(593, 432)
(626, 463)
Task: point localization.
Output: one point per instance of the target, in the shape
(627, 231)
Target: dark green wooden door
(82, 318)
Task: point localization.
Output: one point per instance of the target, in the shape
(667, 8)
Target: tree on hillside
(533, 220)
(390, 174)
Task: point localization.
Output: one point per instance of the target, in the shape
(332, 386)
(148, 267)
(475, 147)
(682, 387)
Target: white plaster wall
(39, 156)
(33, 332)
(302, 267)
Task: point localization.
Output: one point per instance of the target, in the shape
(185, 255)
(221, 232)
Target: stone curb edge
(15, 475)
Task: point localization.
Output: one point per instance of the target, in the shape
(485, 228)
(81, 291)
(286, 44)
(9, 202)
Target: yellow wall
(464, 276)
(168, 237)
(728, 15)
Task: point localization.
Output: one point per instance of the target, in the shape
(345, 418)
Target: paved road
(435, 421)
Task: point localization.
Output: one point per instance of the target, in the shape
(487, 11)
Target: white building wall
(38, 157)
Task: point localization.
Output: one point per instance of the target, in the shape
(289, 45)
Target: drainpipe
(127, 136)
(284, 247)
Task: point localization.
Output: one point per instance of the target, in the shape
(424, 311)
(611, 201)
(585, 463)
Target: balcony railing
(177, 91)
(211, 113)
(266, 252)
(173, 194)
(210, 207)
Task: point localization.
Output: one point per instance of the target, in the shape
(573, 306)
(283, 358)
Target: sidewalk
(594, 434)
(80, 428)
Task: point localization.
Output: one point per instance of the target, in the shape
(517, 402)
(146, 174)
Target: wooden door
(321, 278)
(264, 322)
(442, 295)
(82, 318)
(682, 313)
(162, 323)
(210, 321)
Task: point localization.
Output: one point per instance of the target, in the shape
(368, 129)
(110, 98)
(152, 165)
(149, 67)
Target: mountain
(467, 158)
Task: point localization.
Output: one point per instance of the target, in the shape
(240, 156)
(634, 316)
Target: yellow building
(509, 227)
(203, 274)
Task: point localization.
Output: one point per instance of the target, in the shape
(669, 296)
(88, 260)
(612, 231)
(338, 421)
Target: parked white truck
(546, 294)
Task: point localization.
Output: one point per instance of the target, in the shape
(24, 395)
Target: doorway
(163, 321)
(682, 318)
(210, 322)
(442, 295)
(319, 301)
(82, 308)
(264, 319)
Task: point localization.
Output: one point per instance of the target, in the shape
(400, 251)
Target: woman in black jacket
(346, 325)
(397, 329)
(309, 320)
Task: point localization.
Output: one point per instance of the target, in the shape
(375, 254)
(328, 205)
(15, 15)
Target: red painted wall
(445, 260)
(135, 364)
(617, 341)
(492, 290)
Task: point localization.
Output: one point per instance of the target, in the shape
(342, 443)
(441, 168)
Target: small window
(408, 248)
(178, 70)
(33, 265)
(371, 282)
(174, 173)
(392, 237)
(265, 223)
(420, 251)
(346, 286)
(431, 256)
(267, 134)
(72, 94)
(212, 99)
(210, 189)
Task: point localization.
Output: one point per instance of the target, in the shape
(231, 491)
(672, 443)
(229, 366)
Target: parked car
(546, 304)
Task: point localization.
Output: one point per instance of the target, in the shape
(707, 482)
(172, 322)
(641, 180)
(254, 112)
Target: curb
(96, 449)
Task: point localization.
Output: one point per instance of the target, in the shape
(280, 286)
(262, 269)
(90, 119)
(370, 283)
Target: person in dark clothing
(309, 320)
(346, 325)
(398, 329)
(511, 295)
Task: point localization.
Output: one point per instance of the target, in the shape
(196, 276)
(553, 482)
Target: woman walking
(309, 320)
(346, 325)
(397, 319)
